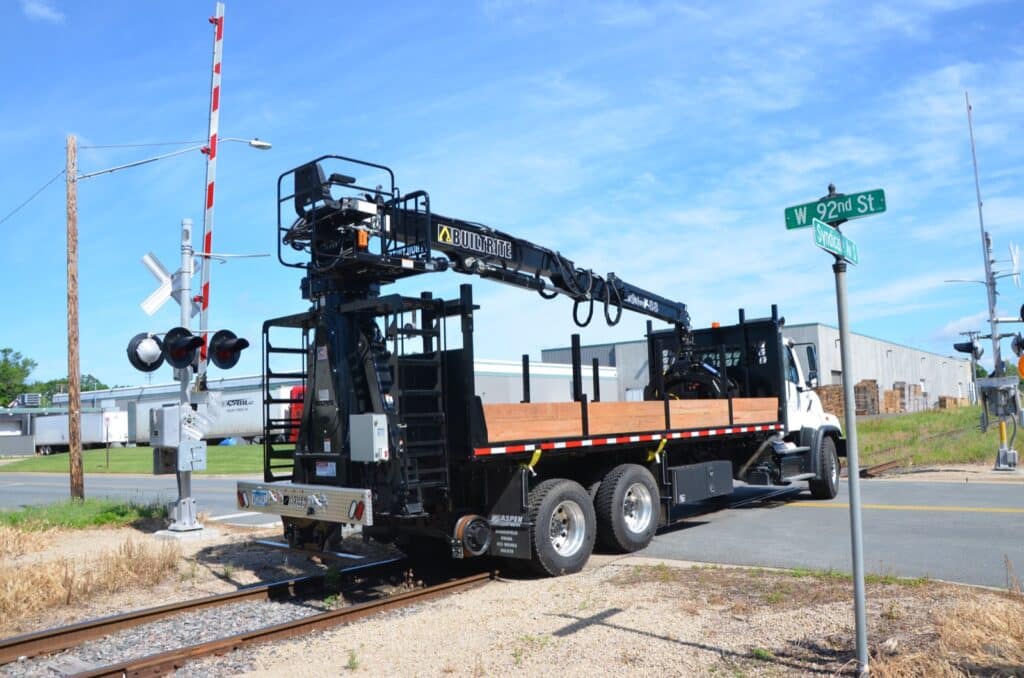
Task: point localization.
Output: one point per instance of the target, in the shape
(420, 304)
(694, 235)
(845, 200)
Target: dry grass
(979, 636)
(33, 587)
(15, 542)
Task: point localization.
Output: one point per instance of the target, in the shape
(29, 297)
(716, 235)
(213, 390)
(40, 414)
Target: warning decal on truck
(475, 242)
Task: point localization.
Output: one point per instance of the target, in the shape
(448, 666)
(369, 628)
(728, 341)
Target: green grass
(220, 460)
(869, 577)
(81, 514)
(928, 438)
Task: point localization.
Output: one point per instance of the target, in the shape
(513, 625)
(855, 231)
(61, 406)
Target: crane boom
(337, 218)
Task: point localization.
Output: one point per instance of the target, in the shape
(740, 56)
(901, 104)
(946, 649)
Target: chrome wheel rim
(568, 529)
(637, 508)
(835, 470)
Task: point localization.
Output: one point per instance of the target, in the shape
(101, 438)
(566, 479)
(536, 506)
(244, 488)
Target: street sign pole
(834, 209)
(853, 469)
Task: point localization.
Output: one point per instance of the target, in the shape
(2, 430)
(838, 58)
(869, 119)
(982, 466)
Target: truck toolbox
(696, 482)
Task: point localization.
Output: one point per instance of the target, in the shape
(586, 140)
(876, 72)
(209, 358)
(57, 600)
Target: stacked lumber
(952, 402)
(892, 402)
(901, 388)
(865, 397)
(832, 399)
(535, 421)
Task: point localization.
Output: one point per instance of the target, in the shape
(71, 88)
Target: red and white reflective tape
(211, 171)
(622, 440)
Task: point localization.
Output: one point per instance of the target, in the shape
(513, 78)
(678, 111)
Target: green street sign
(851, 206)
(831, 240)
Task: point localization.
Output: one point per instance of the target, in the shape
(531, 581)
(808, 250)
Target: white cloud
(967, 323)
(42, 10)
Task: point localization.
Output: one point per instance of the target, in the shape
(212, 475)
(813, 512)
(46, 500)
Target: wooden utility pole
(74, 390)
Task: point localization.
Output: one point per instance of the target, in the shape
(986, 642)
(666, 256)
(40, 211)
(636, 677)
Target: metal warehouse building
(877, 359)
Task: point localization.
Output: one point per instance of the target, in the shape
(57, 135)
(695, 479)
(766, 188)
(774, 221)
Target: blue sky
(657, 140)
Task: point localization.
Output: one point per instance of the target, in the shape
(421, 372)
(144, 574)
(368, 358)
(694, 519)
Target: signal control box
(172, 451)
(368, 435)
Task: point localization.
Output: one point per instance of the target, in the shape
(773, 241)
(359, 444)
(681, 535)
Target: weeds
(762, 654)
(526, 645)
(353, 661)
(15, 542)
(26, 590)
(977, 636)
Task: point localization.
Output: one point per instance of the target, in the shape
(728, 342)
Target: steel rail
(63, 637)
(167, 662)
(60, 638)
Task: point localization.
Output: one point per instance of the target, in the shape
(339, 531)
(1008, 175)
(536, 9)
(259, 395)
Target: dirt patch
(661, 619)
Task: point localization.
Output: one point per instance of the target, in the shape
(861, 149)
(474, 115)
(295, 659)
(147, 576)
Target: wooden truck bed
(531, 421)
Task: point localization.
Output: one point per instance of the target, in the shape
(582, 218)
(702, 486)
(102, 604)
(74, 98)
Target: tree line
(15, 370)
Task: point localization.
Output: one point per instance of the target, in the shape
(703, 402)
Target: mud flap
(509, 522)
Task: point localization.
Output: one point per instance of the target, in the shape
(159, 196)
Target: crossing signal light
(972, 347)
(145, 352)
(225, 349)
(181, 347)
(1017, 344)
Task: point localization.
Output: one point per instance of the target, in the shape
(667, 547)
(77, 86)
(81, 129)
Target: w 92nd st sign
(837, 208)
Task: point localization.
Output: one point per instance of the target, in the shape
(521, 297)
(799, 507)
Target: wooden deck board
(535, 421)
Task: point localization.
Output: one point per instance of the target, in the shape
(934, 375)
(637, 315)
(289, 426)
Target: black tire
(566, 502)
(627, 507)
(827, 486)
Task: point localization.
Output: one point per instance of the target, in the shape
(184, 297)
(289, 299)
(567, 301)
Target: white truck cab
(803, 406)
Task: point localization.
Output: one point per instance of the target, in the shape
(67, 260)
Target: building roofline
(884, 341)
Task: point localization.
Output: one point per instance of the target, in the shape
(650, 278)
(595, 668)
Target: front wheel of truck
(827, 485)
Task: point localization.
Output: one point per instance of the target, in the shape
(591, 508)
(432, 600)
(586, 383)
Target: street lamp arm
(109, 170)
(254, 143)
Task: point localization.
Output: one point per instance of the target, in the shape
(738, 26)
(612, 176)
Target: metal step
(285, 375)
(292, 351)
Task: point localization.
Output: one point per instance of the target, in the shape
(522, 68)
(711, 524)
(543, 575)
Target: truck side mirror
(812, 367)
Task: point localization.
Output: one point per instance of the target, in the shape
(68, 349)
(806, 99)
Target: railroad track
(62, 638)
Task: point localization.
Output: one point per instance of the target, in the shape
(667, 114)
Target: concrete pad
(191, 535)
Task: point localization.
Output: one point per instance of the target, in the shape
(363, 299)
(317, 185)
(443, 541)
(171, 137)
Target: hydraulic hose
(608, 287)
(576, 309)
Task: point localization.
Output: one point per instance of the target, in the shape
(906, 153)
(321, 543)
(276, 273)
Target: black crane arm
(476, 249)
(337, 228)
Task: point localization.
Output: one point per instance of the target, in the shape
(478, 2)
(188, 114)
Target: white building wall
(886, 362)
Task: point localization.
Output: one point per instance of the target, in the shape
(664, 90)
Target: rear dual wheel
(627, 503)
(564, 527)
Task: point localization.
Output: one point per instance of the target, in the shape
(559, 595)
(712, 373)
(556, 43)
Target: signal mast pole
(986, 251)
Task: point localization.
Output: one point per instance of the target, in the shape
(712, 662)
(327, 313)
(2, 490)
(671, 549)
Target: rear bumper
(347, 505)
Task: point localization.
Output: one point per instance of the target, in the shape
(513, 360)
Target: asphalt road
(954, 531)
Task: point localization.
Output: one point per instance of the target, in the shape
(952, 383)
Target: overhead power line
(32, 197)
(160, 143)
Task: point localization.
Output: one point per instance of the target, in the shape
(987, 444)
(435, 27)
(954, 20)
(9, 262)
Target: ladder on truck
(283, 362)
(418, 391)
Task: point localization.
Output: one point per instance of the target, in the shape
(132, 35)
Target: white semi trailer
(50, 431)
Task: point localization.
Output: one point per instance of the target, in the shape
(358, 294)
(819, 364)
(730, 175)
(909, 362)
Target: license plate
(260, 497)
